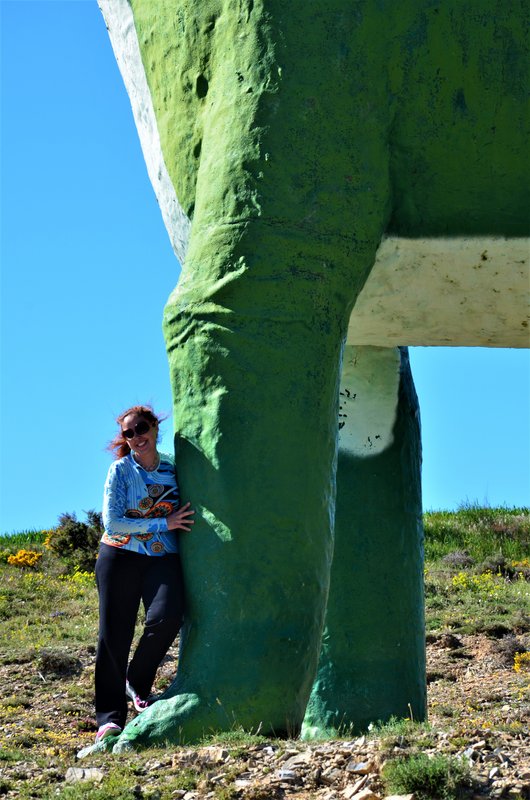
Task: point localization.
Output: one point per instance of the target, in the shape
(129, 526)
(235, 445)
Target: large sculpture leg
(256, 405)
(254, 333)
(372, 664)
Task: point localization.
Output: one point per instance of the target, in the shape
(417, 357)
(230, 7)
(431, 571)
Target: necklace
(152, 467)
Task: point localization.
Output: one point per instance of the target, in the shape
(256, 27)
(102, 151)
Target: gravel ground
(479, 711)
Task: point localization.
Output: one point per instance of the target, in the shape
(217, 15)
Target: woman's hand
(179, 520)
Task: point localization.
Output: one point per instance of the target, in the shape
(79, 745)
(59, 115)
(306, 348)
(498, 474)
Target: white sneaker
(109, 729)
(139, 704)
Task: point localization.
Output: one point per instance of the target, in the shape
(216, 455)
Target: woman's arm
(115, 506)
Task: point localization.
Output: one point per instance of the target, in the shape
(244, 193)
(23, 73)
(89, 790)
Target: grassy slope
(477, 580)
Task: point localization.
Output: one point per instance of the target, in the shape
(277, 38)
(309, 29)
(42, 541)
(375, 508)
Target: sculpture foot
(181, 719)
(123, 746)
(99, 747)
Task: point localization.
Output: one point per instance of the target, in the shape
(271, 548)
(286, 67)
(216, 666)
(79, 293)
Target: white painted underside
(122, 32)
(461, 292)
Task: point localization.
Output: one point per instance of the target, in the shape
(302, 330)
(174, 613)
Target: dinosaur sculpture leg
(372, 664)
(256, 405)
(284, 230)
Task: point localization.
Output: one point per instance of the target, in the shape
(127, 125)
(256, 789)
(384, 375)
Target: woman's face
(143, 444)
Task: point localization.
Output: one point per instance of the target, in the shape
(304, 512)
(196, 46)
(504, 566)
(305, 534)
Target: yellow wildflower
(25, 558)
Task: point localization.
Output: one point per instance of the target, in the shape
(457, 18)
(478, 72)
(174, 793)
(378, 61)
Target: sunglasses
(139, 429)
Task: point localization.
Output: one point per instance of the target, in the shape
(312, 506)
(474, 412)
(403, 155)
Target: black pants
(123, 579)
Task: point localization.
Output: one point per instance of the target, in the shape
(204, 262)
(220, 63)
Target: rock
(494, 773)
(218, 778)
(501, 757)
(215, 755)
(76, 774)
(287, 776)
(287, 754)
(470, 754)
(187, 757)
(354, 788)
(366, 794)
(331, 776)
(359, 767)
(360, 784)
(400, 797)
(360, 741)
(298, 760)
(328, 794)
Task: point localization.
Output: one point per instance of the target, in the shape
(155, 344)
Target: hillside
(475, 744)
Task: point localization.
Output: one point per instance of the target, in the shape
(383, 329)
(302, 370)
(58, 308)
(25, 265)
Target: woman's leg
(119, 589)
(163, 599)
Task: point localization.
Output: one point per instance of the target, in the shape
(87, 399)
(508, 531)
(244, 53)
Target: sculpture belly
(458, 291)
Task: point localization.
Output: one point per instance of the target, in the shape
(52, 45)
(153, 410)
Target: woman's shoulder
(121, 465)
(167, 458)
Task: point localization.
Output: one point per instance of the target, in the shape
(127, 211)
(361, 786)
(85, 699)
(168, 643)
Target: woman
(138, 561)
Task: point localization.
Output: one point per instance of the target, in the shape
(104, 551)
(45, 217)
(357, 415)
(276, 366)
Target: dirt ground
(479, 711)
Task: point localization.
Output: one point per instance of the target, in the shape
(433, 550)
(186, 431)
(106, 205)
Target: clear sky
(86, 270)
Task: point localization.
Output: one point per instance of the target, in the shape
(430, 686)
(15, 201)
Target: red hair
(119, 445)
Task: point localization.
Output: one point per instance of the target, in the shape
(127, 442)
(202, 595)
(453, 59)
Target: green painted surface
(372, 664)
(295, 136)
(269, 88)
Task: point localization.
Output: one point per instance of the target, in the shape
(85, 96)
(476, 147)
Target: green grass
(39, 611)
(235, 741)
(399, 732)
(482, 532)
(15, 541)
(475, 600)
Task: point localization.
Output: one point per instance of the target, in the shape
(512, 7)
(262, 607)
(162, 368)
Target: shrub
(521, 662)
(59, 662)
(25, 558)
(75, 542)
(486, 585)
(458, 558)
(437, 778)
(508, 648)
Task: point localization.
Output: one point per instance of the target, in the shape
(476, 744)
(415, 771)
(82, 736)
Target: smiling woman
(138, 561)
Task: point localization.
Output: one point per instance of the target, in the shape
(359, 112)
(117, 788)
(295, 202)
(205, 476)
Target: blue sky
(86, 270)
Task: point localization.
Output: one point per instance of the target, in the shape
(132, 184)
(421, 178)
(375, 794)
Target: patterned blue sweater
(135, 504)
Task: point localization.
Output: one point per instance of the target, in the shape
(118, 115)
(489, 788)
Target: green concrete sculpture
(329, 172)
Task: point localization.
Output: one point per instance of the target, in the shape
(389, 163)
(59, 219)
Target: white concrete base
(461, 292)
